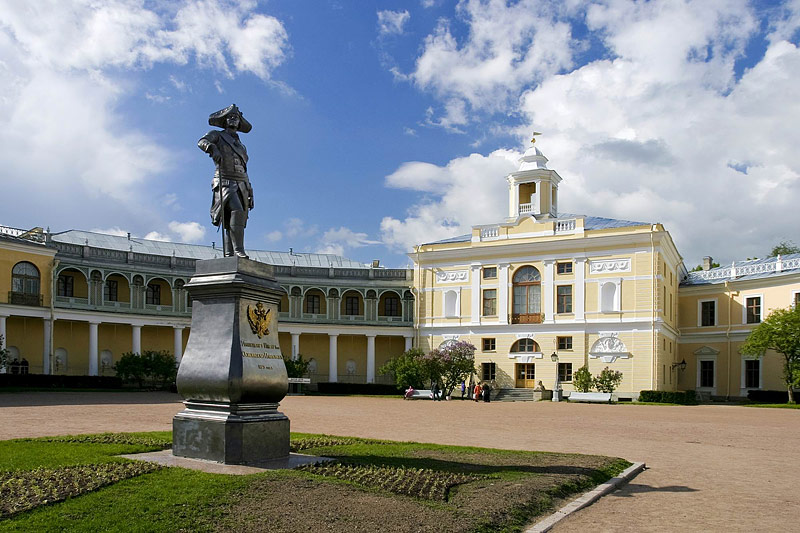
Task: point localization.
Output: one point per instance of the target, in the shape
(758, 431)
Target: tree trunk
(791, 393)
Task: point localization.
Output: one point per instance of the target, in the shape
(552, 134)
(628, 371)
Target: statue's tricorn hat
(217, 118)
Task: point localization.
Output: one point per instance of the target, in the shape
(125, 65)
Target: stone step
(514, 395)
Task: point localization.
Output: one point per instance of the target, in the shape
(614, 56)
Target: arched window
(527, 307)
(450, 303)
(153, 293)
(25, 281)
(525, 346)
(608, 297)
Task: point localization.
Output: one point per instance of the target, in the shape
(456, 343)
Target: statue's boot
(237, 233)
(227, 245)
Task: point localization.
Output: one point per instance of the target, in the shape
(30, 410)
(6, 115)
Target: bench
(590, 397)
(421, 394)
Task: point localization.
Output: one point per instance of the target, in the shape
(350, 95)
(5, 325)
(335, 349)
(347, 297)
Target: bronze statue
(233, 194)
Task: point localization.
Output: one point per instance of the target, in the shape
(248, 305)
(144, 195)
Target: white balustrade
(565, 225)
(525, 208)
(489, 233)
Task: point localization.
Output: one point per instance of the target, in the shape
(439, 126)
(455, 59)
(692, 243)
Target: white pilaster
(93, 348)
(136, 341)
(295, 346)
(475, 311)
(3, 339)
(409, 343)
(178, 342)
(579, 305)
(370, 358)
(547, 291)
(502, 293)
(48, 324)
(333, 358)
(513, 204)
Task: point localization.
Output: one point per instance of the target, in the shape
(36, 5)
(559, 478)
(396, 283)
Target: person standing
(436, 391)
(463, 389)
(477, 392)
(487, 393)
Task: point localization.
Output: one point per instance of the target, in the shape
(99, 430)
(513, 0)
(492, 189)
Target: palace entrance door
(526, 375)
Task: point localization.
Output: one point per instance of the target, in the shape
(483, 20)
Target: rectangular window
(153, 296)
(351, 305)
(708, 313)
(564, 268)
(313, 304)
(565, 371)
(707, 374)
(754, 310)
(65, 286)
(564, 299)
(392, 306)
(564, 343)
(487, 371)
(489, 345)
(110, 291)
(752, 373)
(489, 272)
(490, 302)
(797, 299)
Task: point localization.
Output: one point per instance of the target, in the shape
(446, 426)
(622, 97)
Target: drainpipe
(53, 289)
(653, 384)
(417, 298)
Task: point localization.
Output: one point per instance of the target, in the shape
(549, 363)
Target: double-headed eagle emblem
(258, 318)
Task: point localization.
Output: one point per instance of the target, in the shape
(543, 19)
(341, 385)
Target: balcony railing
(527, 318)
(525, 208)
(563, 226)
(21, 298)
(490, 233)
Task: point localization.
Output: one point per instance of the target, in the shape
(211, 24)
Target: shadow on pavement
(38, 399)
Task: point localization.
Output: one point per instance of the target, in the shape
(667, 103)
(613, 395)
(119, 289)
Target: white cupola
(533, 188)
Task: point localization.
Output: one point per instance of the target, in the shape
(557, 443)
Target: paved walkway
(711, 468)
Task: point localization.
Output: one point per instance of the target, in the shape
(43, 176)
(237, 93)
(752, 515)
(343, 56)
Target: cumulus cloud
(188, 231)
(338, 240)
(297, 228)
(392, 22)
(274, 236)
(156, 236)
(63, 76)
(663, 125)
(468, 190)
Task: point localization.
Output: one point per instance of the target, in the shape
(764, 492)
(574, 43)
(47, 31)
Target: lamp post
(557, 388)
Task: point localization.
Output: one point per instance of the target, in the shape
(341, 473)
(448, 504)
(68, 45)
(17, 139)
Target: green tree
(296, 368)
(452, 364)
(784, 248)
(779, 332)
(698, 268)
(156, 367)
(407, 369)
(582, 379)
(608, 380)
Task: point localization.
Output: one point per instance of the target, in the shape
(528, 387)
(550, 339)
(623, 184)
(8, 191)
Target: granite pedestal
(232, 374)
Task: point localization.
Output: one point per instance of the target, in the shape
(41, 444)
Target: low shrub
(582, 379)
(157, 368)
(661, 396)
(60, 382)
(768, 396)
(608, 380)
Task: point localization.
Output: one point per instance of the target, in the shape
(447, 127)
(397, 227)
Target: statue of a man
(233, 194)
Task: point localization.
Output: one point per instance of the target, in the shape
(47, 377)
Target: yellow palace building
(540, 294)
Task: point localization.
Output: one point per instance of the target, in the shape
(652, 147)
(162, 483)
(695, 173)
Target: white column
(295, 346)
(136, 341)
(178, 342)
(93, 348)
(370, 358)
(333, 358)
(409, 343)
(547, 291)
(48, 324)
(502, 293)
(3, 339)
(475, 312)
(579, 305)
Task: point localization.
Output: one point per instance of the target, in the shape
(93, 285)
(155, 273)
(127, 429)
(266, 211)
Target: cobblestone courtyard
(710, 467)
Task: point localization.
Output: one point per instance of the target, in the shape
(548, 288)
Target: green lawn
(374, 485)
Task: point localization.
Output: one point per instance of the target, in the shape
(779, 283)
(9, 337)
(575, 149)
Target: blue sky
(380, 125)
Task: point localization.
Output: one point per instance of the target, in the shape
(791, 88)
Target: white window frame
(744, 308)
(716, 312)
(555, 295)
(456, 310)
(744, 389)
(794, 296)
(707, 357)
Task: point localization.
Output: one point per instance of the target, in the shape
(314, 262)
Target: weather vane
(533, 137)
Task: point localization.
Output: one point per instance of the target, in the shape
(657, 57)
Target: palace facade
(539, 293)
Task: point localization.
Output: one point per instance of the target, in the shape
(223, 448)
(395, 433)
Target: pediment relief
(609, 349)
(706, 350)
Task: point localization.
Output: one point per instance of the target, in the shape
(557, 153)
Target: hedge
(768, 396)
(661, 396)
(60, 382)
(357, 388)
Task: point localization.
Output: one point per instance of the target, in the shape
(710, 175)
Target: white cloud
(338, 240)
(468, 190)
(190, 232)
(116, 230)
(156, 236)
(392, 22)
(296, 227)
(274, 236)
